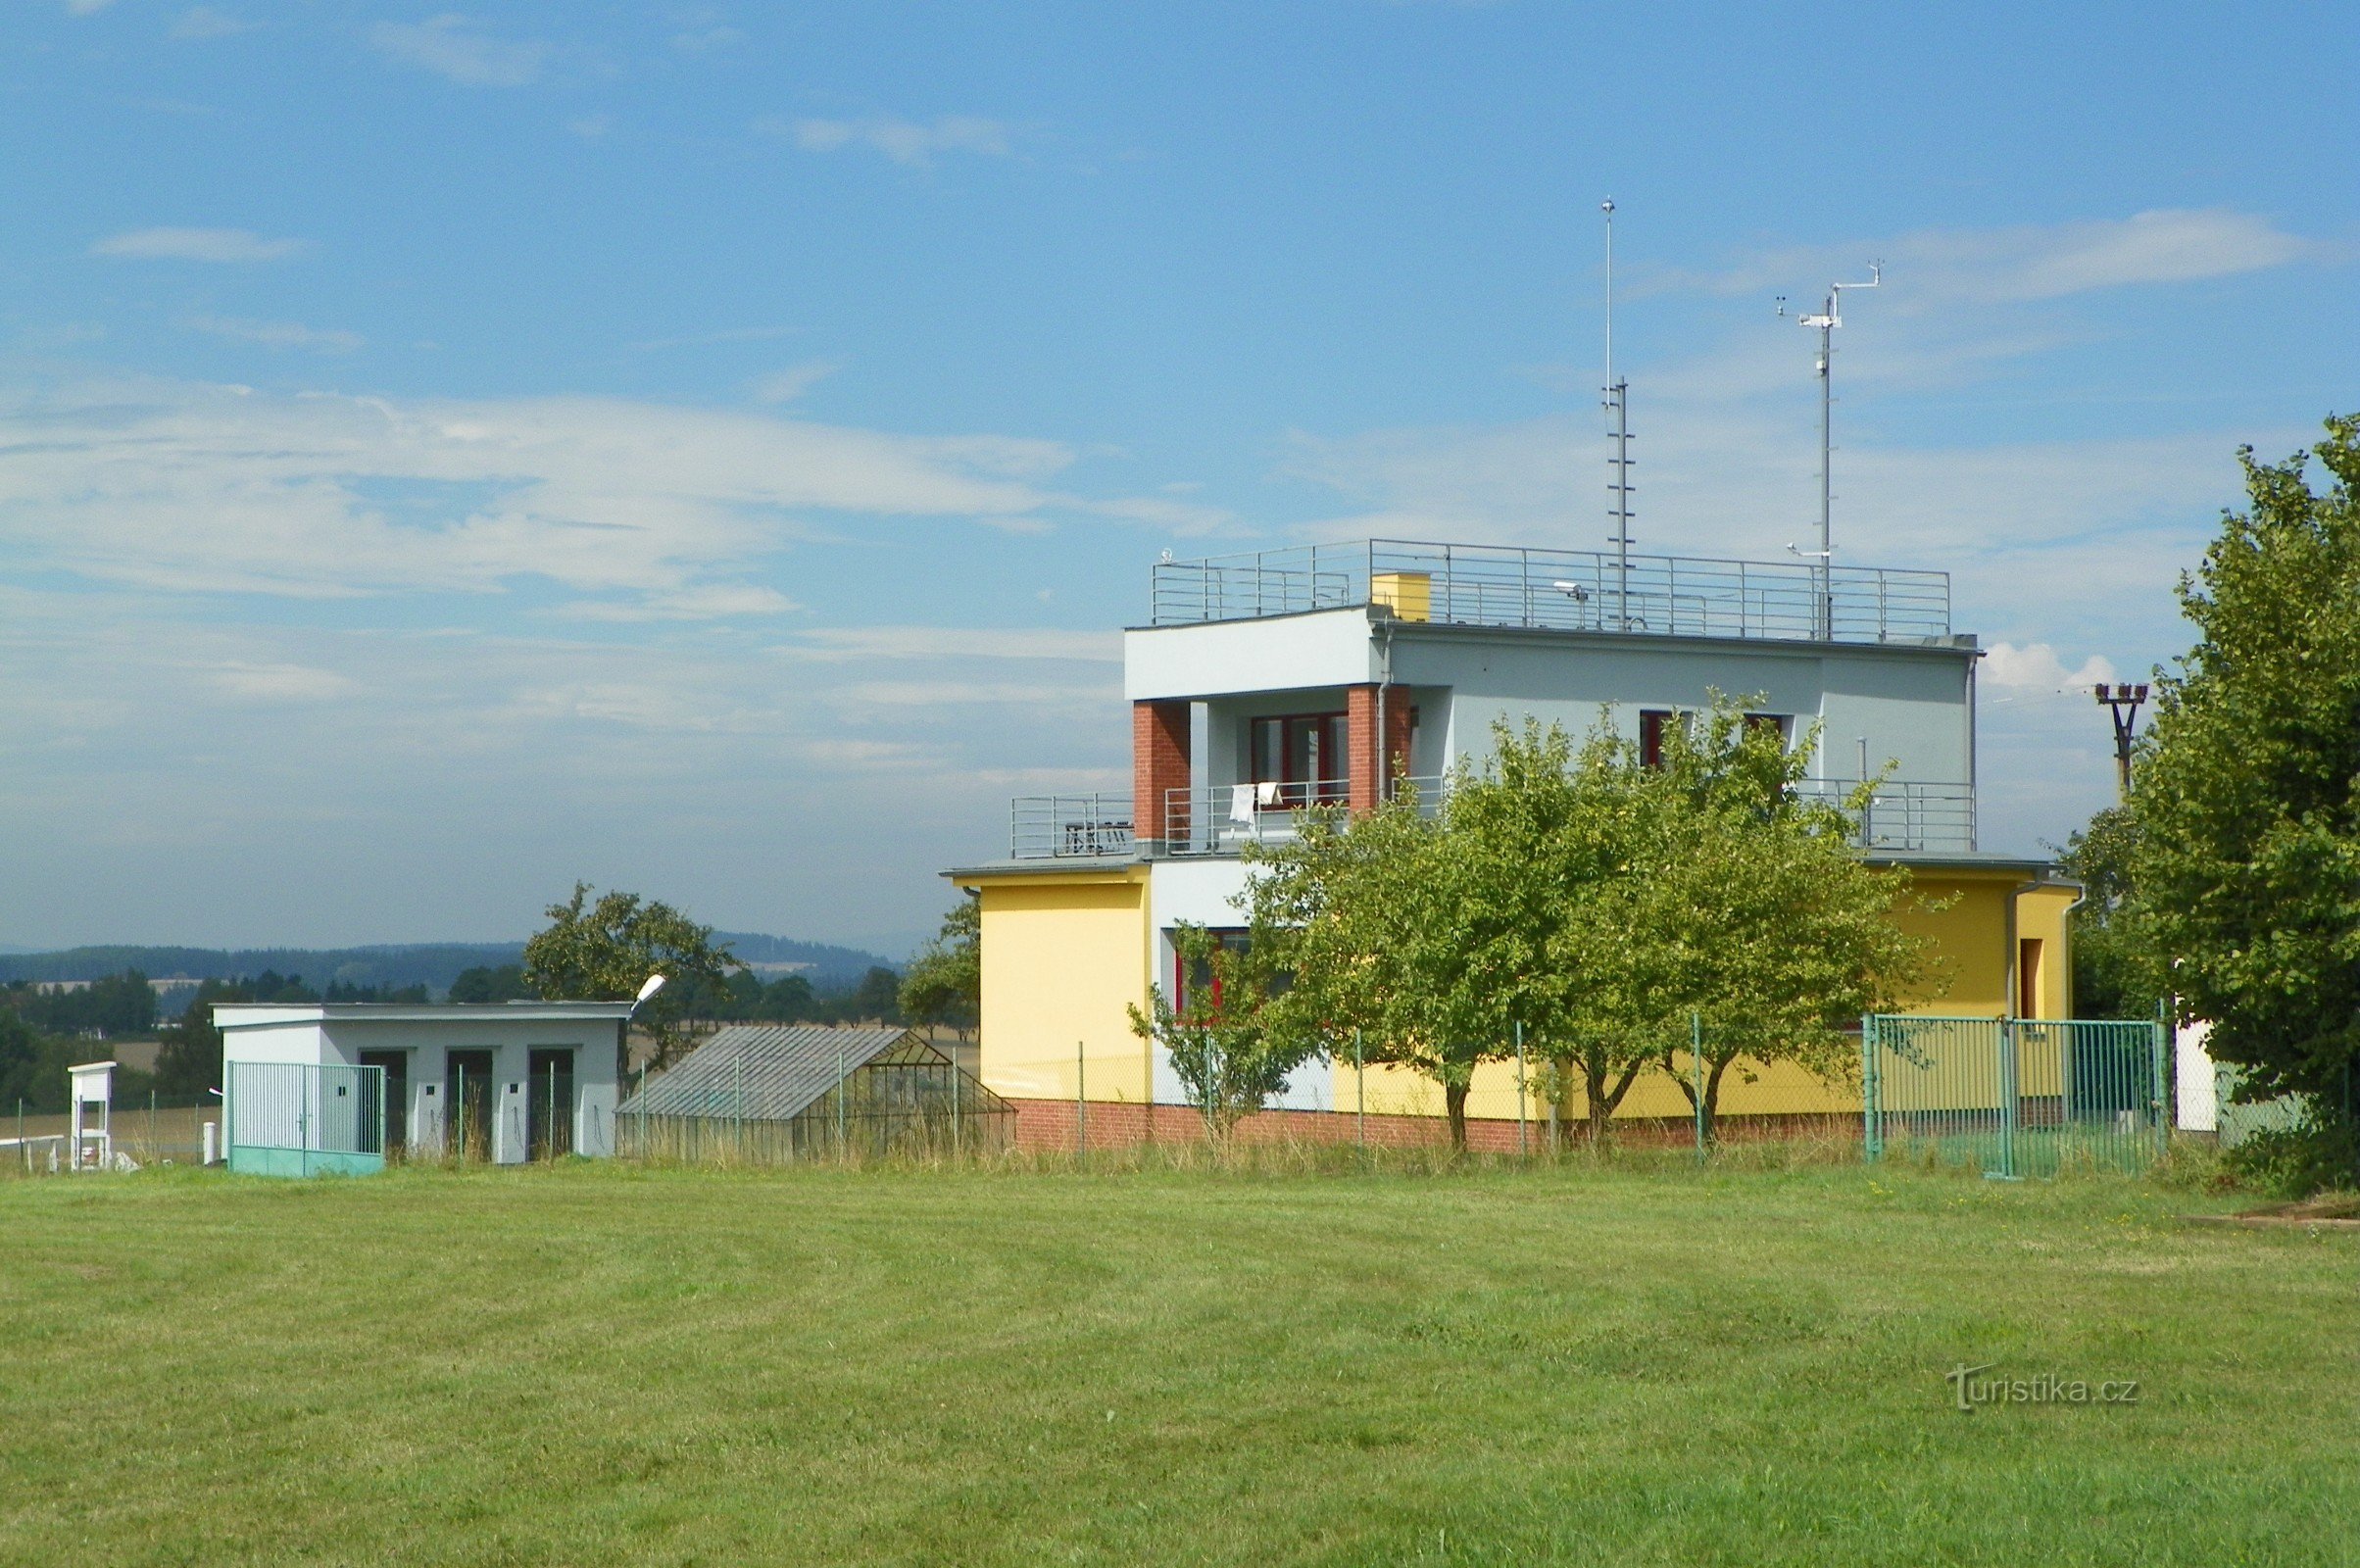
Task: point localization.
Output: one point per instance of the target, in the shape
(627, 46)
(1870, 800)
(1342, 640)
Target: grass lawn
(598, 1364)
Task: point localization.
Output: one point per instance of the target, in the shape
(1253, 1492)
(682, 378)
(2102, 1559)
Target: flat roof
(248, 1014)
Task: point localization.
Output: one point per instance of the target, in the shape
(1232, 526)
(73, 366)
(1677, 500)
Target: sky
(709, 450)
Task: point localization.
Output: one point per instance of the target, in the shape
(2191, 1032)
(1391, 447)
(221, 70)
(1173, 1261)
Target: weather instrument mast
(1829, 317)
(1618, 462)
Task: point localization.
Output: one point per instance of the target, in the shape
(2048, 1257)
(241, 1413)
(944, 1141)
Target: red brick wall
(1049, 1125)
(1368, 776)
(1158, 762)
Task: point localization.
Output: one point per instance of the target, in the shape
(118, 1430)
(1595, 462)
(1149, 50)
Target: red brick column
(1369, 774)
(1158, 762)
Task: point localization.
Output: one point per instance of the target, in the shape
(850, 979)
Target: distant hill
(435, 965)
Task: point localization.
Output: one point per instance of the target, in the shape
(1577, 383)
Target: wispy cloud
(86, 8)
(278, 683)
(2033, 261)
(697, 340)
(907, 142)
(455, 48)
(785, 386)
(279, 334)
(204, 22)
(847, 644)
(222, 245)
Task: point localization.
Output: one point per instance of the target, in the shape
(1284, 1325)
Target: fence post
(1872, 1120)
(954, 1128)
(1081, 1108)
(1359, 1097)
(2008, 1099)
(1695, 1074)
(2163, 1108)
(840, 1151)
(1523, 1150)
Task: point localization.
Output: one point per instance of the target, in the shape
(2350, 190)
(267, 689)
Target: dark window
(549, 1113)
(1651, 721)
(1783, 723)
(468, 1105)
(397, 1095)
(1302, 757)
(1189, 978)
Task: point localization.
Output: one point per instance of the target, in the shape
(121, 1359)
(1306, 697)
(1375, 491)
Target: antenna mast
(1618, 431)
(1826, 321)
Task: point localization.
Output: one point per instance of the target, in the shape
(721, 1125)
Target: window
(1651, 721)
(2028, 977)
(1301, 756)
(1188, 978)
(1783, 723)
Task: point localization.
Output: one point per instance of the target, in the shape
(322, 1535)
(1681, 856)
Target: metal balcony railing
(1042, 828)
(1220, 818)
(1580, 590)
(1905, 814)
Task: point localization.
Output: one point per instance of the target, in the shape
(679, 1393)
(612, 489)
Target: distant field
(596, 1365)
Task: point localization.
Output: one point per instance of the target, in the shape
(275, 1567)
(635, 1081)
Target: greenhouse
(791, 1091)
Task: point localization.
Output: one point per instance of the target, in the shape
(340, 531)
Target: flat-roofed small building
(505, 1082)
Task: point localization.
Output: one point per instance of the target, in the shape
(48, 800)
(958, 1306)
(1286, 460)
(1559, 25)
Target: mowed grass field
(600, 1364)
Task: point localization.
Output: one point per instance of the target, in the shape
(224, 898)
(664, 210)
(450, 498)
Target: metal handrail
(1217, 818)
(1044, 827)
(1576, 590)
(1903, 813)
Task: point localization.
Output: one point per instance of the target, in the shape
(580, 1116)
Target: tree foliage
(189, 1060)
(1596, 902)
(604, 952)
(944, 983)
(1216, 1033)
(2244, 859)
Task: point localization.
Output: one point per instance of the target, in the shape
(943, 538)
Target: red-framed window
(1303, 758)
(1652, 722)
(1188, 978)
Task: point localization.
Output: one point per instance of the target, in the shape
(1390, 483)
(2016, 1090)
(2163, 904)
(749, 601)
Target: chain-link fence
(149, 1129)
(2014, 1097)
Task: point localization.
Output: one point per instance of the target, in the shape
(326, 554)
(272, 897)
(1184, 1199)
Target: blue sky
(708, 449)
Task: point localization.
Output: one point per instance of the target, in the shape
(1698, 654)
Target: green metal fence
(2015, 1096)
(300, 1118)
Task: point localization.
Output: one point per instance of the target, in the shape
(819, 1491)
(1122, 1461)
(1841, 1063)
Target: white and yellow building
(1265, 682)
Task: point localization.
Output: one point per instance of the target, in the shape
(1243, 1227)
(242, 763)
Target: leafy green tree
(2245, 865)
(2113, 974)
(1381, 928)
(1216, 1037)
(486, 983)
(877, 998)
(1754, 914)
(790, 998)
(944, 983)
(604, 952)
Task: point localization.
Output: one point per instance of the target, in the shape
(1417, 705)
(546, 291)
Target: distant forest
(386, 968)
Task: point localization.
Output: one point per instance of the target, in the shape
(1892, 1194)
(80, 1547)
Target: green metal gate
(300, 1118)
(2015, 1096)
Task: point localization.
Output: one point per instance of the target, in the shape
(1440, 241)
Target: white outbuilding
(337, 1086)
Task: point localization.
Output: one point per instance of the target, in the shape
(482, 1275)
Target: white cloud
(2032, 261)
(785, 386)
(223, 245)
(905, 141)
(591, 128)
(86, 8)
(838, 644)
(204, 22)
(279, 334)
(453, 47)
(2035, 668)
(278, 683)
(668, 511)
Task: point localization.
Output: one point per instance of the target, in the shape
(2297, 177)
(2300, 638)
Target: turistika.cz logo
(1970, 1388)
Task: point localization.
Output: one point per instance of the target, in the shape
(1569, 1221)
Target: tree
(1756, 915)
(486, 984)
(944, 983)
(877, 997)
(1380, 927)
(1216, 1034)
(606, 952)
(2244, 861)
(2113, 975)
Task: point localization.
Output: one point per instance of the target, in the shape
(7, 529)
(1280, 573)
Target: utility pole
(2123, 703)
(1829, 317)
(1618, 432)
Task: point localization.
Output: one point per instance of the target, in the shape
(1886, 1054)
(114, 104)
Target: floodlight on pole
(1619, 488)
(2122, 701)
(653, 984)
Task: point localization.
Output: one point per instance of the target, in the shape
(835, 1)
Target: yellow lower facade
(1068, 952)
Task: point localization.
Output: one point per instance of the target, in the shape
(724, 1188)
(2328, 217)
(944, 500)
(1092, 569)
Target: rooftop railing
(1561, 590)
(1901, 815)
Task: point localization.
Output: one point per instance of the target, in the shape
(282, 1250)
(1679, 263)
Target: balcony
(1560, 590)
(1223, 819)
(1055, 827)
(1903, 816)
